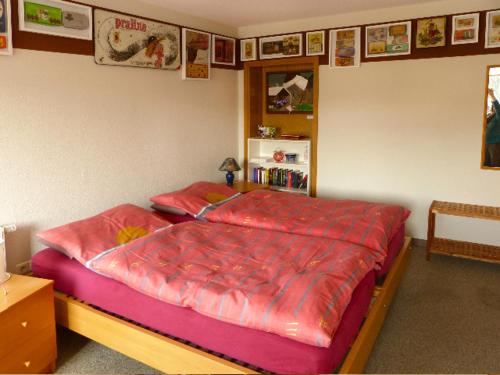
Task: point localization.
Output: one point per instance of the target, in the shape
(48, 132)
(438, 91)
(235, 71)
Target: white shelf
(272, 163)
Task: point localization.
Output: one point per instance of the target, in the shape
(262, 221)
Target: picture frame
(315, 43)
(290, 92)
(345, 48)
(248, 49)
(465, 29)
(389, 39)
(56, 17)
(223, 50)
(5, 28)
(124, 40)
(196, 47)
(492, 37)
(275, 47)
(431, 32)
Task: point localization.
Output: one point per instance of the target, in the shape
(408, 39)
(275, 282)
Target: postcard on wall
(315, 43)
(493, 29)
(345, 48)
(131, 41)
(465, 29)
(248, 49)
(290, 92)
(55, 17)
(431, 32)
(5, 28)
(273, 47)
(391, 39)
(195, 54)
(223, 50)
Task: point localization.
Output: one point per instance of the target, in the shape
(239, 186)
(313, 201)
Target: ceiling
(238, 13)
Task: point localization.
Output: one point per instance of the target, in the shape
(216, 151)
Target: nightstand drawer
(24, 320)
(34, 356)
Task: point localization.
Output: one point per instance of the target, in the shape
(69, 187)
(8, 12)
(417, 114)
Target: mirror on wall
(491, 129)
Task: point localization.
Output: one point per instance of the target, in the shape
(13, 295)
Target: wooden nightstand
(27, 326)
(246, 186)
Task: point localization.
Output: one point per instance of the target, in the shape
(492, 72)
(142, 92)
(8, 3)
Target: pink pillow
(85, 239)
(196, 198)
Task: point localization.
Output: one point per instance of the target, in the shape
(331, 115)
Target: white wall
(77, 138)
(406, 132)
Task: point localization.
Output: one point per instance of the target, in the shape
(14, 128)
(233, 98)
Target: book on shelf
(280, 177)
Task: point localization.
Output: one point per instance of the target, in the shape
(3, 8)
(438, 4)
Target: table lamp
(229, 165)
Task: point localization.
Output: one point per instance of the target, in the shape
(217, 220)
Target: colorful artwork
(315, 43)
(493, 29)
(290, 92)
(55, 17)
(465, 29)
(248, 49)
(281, 46)
(388, 40)
(223, 50)
(431, 32)
(130, 41)
(195, 54)
(345, 48)
(5, 28)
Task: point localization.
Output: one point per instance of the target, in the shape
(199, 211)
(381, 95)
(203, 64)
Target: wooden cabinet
(27, 326)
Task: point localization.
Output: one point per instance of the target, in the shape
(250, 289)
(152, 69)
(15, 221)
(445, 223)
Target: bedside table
(27, 326)
(246, 186)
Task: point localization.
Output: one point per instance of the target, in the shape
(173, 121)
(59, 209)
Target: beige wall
(77, 138)
(406, 132)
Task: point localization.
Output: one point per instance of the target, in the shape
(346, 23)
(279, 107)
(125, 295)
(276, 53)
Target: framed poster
(195, 54)
(493, 29)
(391, 39)
(131, 41)
(465, 29)
(431, 32)
(290, 92)
(273, 47)
(56, 17)
(5, 28)
(315, 43)
(345, 48)
(223, 50)
(248, 49)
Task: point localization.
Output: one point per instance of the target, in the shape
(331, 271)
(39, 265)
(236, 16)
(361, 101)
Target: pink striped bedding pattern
(291, 285)
(367, 224)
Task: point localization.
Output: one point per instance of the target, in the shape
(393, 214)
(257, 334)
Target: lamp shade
(229, 165)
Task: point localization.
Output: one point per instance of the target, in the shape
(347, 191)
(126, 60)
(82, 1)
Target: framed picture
(391, 39)
(5, 28)
(465, 29)
(195, 54)
(55, 17)
(273, 47)
(248, 49)
(131, 41)
(290, 92)
(315, 43)
(223, 50)
(345, 48)
(493, 29)
(431, 32)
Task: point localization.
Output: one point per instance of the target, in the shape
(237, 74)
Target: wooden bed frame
(171, 356)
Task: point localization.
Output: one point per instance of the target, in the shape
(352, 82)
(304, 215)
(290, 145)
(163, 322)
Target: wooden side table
(247, 186)
(461, 249)
(27, 326)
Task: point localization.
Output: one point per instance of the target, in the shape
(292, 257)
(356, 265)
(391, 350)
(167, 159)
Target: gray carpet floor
(445, 318)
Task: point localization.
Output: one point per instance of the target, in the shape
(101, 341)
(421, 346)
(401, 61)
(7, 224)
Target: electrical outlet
(24, 268)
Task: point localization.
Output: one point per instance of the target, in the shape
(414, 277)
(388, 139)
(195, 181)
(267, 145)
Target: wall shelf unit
(259, 151)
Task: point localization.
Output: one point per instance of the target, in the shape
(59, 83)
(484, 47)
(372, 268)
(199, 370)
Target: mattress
(261, 349)
(395, 243)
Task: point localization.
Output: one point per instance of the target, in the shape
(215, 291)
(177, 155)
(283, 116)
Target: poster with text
(195, 54)
(388, 40)
(345, 45)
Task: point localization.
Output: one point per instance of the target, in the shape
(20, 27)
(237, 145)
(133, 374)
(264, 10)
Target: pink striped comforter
(367, 224)
(291, 285)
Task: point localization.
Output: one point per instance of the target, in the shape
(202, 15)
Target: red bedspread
(363, 223)
(295, 286)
